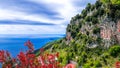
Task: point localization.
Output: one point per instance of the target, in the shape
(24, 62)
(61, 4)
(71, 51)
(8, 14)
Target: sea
(14, 43)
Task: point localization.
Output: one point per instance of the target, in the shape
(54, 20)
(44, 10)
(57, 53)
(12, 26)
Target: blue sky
(38, 16)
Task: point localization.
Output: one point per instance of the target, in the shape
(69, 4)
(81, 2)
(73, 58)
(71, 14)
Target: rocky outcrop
(118, 32)
(110, 33)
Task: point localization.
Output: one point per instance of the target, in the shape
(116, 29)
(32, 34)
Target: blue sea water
(15, 43)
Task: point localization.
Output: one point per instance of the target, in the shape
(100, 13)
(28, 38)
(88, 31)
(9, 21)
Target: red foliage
(57, 54)
(13, 60)
(70, 66)
(41, 49)
(2, 56)
(29, 60)
(117, 64)
(23, 59)
(29, 45)
(7, 54)
(119, 30)
(8, 66)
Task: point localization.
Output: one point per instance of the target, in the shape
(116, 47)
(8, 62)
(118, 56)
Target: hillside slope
(92, 37)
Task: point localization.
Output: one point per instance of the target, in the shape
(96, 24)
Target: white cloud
(65, 8)
(16, 15)
(31, 29)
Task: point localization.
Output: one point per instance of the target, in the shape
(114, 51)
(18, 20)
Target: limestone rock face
(110, 33)
(118, 32)
(68, 37)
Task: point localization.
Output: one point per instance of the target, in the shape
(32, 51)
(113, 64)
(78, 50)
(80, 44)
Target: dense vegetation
(75, 47)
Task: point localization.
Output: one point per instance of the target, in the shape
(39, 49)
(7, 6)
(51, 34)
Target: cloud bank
(38, 16)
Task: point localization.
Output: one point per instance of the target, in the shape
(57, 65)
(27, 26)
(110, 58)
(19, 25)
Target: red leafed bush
(117, 64)
(29, 60)
(29, 45)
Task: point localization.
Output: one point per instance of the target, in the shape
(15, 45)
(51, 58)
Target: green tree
(105, 1)
(78, 16)
(114, 51)
(94, 20)
(88, 7)
(112, 1)
(117, 14)
(98, 4)
(84, 13)
(96, 30)
(80, 24)
(99, 40)
(101, 11)
(88, 18)
(115, 2)
(95, 14)
(97, 64)
(92, 7)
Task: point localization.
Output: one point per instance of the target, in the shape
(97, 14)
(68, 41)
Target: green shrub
(98, 4)
(96, 30)
(84, 13)
(99, 40)
(92, 7)
(88, 7)
(101, 11)
(95, 14)
(115, 2)
(117, 14)
(114, 51)
(87, 65)
(88, 18)
(94, 20)
(97, 64)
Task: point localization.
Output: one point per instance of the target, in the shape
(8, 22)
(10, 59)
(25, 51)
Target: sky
(38, 16)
